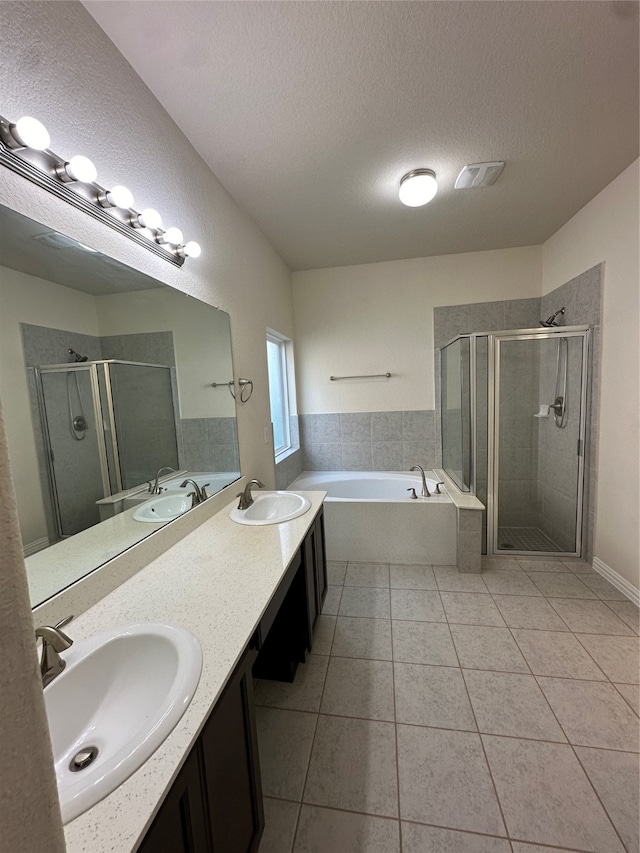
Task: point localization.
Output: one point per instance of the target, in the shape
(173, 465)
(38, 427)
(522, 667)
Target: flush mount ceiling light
(24, 148)
(418, 187)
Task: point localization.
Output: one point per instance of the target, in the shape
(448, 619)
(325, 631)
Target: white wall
(607, 229)
(200, 341)
(374, 318)
(26, 299)
(59, 66)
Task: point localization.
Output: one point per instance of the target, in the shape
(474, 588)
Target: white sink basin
(271, 508)
(122, 692)
(163, 509)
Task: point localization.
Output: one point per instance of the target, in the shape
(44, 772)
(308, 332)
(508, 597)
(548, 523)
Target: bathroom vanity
(216, 801)
(251, 595)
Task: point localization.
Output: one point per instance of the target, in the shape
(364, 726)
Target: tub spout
(425, 489)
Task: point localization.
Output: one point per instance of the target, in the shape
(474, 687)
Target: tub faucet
(54, 641)
(425, 489)
(245, 497)
(154, 488)
(197, 496)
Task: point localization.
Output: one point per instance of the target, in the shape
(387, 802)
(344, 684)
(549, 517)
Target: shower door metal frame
(106, 364)
(91, 368)
(495, 340)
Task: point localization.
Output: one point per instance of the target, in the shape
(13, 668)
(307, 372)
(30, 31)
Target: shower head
(76, 355)
(551, 321)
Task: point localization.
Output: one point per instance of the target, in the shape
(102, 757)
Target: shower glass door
(144, 423)
(539, 428)
(74, 447)
(455, 396)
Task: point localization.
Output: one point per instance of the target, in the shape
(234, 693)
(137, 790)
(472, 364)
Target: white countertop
(54, 568)
(217, 582)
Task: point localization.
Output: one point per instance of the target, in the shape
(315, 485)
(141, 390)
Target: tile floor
(451, 713)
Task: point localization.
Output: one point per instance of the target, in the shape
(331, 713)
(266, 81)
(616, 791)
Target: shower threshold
(525, 539)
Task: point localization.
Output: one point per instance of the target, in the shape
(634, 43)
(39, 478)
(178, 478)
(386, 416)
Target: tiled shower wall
(582, 299)
(539, 476)
(147, 437)
(452, 320)
(519, 436)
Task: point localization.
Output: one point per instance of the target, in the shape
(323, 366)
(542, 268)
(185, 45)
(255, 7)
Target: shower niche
(514, 420)
(107, 426)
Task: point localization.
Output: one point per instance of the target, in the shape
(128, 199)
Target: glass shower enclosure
(513, 410)
(107, 426)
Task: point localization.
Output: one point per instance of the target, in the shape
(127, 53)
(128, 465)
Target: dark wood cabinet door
(315, 566)
(321, 560)
(181, 825)
(230, 755)
(311, 583)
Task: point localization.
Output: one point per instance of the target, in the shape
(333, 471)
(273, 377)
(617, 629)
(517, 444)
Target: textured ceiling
(310, 112)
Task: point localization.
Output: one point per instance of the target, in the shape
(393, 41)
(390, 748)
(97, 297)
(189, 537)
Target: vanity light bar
(24, 149)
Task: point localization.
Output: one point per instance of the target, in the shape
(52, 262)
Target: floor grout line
(395, 732)
(605, 679)
(313, 740)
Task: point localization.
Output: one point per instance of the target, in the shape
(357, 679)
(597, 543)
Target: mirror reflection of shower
(560, 402)
(77, 422)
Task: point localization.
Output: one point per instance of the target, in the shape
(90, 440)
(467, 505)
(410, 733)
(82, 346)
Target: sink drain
(83, 758)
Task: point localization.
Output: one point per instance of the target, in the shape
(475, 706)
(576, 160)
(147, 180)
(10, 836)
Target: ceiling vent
(60, 241)
(479, 175)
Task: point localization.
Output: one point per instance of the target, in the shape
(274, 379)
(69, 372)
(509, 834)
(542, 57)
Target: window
(278, 391)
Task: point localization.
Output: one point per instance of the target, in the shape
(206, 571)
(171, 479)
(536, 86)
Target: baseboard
(617, 580)
(34, 547)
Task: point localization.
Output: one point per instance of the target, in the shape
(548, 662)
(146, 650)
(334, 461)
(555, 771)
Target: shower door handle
(580, 450)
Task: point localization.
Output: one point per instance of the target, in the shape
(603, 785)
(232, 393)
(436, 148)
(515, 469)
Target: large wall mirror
(106, 378)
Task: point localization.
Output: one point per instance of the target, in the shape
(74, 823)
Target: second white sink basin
(165, 508)
(121, 693)
(271, 508)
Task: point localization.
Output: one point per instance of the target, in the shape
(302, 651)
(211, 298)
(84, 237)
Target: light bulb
(120, 196)
(80, 168)
(31, 133)
(173, 236)
(418, 187)
(150, 218)
(192, 249)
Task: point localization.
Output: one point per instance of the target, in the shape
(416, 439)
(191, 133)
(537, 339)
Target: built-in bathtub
(371, 517)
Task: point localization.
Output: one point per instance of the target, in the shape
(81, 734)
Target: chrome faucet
(200, 493)
(54, 641)
(154, 489)
(425, 489)
(245, 497)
